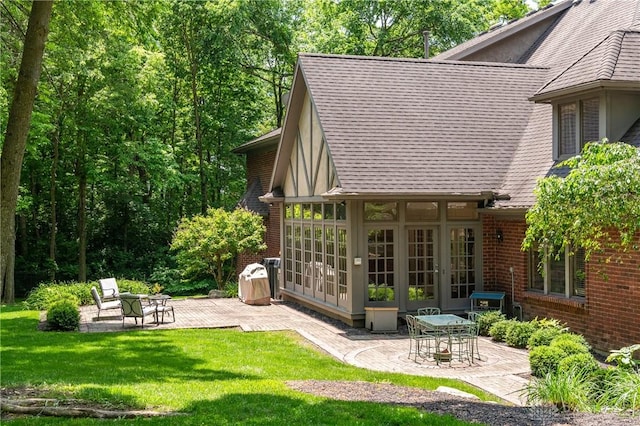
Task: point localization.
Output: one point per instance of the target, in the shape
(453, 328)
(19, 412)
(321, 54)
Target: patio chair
(428, 311)
(475, 350)
(460, 341)
(133, 307)
(104, 306)
(418, 336)
(109, 288)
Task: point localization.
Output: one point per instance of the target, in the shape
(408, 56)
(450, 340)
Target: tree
(15, 139)
(205, 243)
(595, 207)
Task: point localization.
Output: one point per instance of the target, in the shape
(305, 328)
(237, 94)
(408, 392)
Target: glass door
(464, 272)
(422, 267)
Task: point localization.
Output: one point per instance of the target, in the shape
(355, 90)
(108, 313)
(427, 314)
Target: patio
(502, 370)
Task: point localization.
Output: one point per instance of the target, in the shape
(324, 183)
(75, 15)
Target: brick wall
(260, 165)
(609, 316)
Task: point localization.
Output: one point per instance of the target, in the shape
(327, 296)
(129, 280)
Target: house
(404, 183)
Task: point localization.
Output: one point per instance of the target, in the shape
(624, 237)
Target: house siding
(609, 316)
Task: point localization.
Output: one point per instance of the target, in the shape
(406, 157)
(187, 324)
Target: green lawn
(211, 376)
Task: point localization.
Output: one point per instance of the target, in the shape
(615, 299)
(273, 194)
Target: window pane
(567, 130)
(462, 210)
(536, 279)
(557, 274)
(590, 120)
(579, 274)
(422, 211)
(380, 211)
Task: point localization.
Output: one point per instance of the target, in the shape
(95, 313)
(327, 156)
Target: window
(564, 276)
(578, 123)
(374, 212)
(462, 210)
(418, 212)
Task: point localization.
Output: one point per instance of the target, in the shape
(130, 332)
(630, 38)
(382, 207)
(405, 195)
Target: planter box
(381, 319)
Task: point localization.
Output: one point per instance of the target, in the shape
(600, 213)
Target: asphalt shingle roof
(616, 58)
(416, 126)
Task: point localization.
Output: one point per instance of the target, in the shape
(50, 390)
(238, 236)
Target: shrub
(543, 337)
(570, 343)
(518, 333)
(545, 359)
(41, 297)
(64, 315)
(487, 319)
(585, 361)
(132, 286)
(231, 289)
(499, 330)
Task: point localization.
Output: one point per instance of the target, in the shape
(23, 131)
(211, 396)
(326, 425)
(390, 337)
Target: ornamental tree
(595, 207)
(205, 243)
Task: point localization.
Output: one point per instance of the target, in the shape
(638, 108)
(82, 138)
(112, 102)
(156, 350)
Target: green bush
(545, 359)
(543, 337)
(498, 330)
(132, 286)
(518, 333)
(64, 315)
(231, 289)
(41, 297)
(487, 319)
(571, 343)
(584, 361)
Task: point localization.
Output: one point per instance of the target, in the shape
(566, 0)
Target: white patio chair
(104, 306)
(109, 288)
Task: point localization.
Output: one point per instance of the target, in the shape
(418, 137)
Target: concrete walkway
(501, 371)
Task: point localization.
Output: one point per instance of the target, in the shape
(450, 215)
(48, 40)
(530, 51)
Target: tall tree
(15, 139)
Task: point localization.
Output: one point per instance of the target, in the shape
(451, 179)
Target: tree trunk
(82, 216)
(52, 194)
(16, 139)
(193, 68)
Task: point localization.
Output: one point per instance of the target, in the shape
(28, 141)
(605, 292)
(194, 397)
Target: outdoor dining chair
(428, 311)
(133, 307)
(418, 337)
(475, 350)
(460, 338)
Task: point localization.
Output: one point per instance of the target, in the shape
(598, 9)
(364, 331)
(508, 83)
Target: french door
(422, 267)
(463, 272)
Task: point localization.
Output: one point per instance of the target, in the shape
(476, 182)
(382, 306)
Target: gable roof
(399, 126)
(614, 62)
(461, 128)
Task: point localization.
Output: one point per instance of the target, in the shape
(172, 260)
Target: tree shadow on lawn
(269, 409)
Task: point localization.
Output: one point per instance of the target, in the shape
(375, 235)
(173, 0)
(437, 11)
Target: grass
(211, 376)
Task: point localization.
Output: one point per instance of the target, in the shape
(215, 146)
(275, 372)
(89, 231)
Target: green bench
(487, 301)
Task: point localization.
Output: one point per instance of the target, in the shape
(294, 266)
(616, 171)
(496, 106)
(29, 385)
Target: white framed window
(577, 123)
(561, 276)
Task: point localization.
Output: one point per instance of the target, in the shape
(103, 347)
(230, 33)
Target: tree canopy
(595, 207)
(140, 105)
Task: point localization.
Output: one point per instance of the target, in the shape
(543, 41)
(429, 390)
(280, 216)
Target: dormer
(597, 96)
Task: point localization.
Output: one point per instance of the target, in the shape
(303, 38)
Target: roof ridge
(610, 55)
(423, 61)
